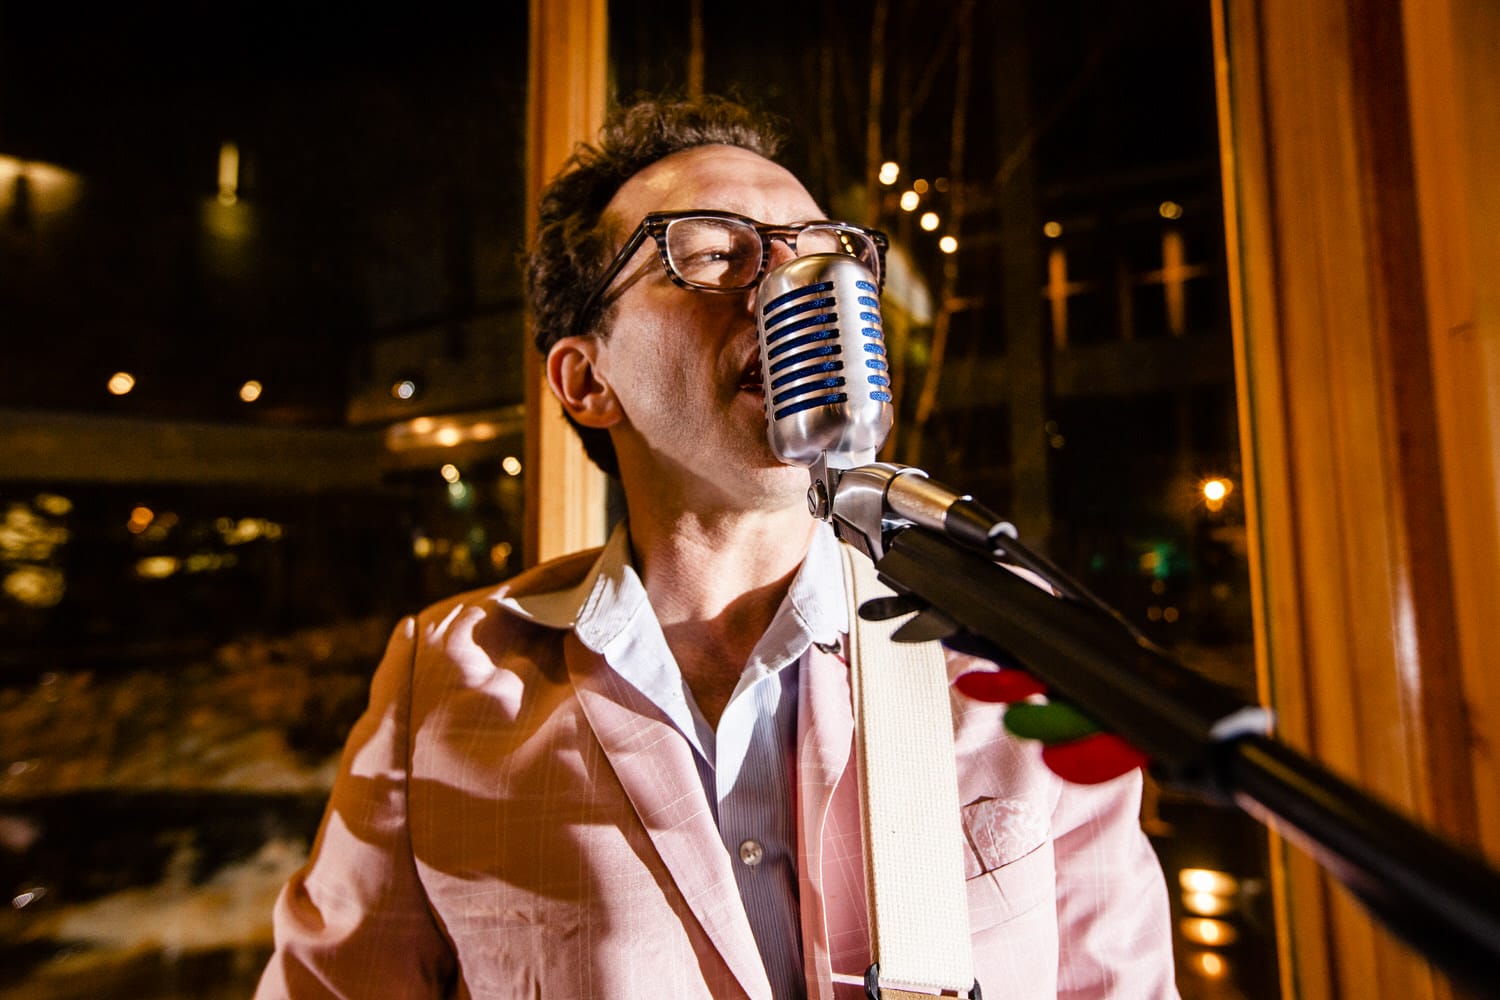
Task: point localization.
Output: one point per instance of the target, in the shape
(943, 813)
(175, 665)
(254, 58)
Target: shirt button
(751, 852)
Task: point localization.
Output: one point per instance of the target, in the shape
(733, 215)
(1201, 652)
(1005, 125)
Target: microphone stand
(956, 564)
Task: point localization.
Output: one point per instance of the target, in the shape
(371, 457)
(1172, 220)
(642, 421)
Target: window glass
(1066, 355)
(260, 395)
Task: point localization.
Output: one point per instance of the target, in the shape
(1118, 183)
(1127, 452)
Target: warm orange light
(157, 567)
(1052, 230)
(450, 472)
(910, 200)
(929, 221)
(1215, 491)
(250, 391)
(919, 186)
(229, 173)
(948, 244)
(1206, 904)
(1170, 210)
(511, 464)
(121, 382)
(1214, 933)
(1208, 880)
(140, 520)
(889, 171)
(448, 437)
(1210, 965)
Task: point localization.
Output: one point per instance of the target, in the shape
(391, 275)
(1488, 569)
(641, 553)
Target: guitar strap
(914, 870)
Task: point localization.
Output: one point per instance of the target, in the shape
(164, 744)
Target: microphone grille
(823, 361)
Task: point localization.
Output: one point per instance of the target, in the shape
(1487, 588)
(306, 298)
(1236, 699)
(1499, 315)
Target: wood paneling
(565, 492)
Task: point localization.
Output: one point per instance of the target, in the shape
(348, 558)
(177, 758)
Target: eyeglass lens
(726, 253)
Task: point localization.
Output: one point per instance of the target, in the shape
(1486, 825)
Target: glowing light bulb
(1208, 880)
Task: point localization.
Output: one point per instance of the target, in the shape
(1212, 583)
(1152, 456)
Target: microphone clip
(858, 502)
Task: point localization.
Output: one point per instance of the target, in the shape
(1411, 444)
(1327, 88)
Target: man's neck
(715, 584)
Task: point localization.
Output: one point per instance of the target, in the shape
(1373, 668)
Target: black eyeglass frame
(655, 225)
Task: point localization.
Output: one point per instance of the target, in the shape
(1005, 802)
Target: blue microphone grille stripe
(801, 324)
(797, 293)
(797, 359)
(876, 364)
(822, 385)
(866, 300)
(807, 404)
(875, 347)
(879, 380)
(827, 366)
(865, 286)
(798, 309)
(796, 342)
(881, 397)
(870, 318)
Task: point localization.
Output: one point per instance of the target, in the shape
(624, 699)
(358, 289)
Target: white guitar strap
(914, 870)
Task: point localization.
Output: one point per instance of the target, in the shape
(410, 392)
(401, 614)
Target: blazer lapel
(655, 766)
(829, 851)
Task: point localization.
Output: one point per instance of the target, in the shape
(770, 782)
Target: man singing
(629, 773)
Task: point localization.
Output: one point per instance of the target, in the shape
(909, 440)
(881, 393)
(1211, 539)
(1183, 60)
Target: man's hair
(572, 247)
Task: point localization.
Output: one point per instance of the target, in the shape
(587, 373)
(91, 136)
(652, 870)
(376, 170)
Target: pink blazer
(512, 819)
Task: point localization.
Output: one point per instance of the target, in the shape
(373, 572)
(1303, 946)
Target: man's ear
(575, 381)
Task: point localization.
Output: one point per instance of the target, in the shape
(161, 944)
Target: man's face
(682, 363)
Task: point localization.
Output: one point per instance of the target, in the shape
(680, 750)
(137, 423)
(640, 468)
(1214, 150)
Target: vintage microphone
(828, 408)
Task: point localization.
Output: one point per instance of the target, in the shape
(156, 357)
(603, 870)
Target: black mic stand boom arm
(955, 562)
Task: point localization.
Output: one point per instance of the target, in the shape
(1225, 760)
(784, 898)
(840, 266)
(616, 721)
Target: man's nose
(781, 252)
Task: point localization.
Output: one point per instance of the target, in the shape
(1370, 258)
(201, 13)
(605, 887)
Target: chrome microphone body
(823, 361)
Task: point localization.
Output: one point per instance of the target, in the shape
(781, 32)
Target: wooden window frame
(1357, 139)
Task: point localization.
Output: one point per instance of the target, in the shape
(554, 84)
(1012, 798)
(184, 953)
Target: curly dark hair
(572, 248)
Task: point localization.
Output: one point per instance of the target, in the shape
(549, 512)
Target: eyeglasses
(725, 252)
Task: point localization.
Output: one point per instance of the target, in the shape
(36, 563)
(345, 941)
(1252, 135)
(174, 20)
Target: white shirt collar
(609, 611)
(602, 604)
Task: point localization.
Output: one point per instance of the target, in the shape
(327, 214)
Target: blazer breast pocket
(1007, 860)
